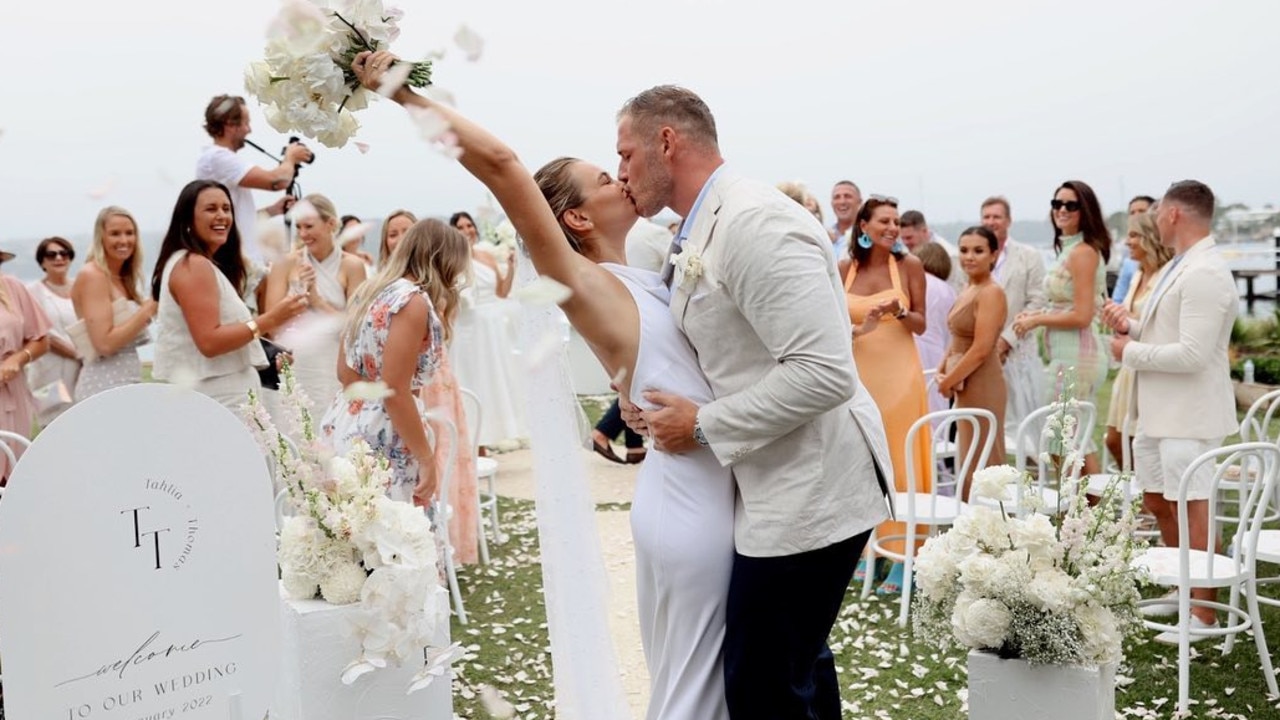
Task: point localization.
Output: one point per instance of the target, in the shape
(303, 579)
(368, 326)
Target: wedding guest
(354, 244)
(1137, 206)
(482, 354)
(846, 198)
(328, 277)
(23, 339)
(1075, 288)
(53, 376)
(1020, 273)
(916, 232)
(208, 339)
(812, 205)
(1151, 256)
(108, 297)
(971, 372)
(396, 328)
(878, 280)
(1184, 402)
(443, 395)
(939, 298)
(394, 228)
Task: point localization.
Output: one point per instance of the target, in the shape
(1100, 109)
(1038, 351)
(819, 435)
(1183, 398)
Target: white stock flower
(980, 623)
(343, 584)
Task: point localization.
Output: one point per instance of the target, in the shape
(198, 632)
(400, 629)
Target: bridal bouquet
(350, 543)
(1063, 593)
(306, 81)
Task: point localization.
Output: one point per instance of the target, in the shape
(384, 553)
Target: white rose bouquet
(350, 543)
(1061, 593)
(305, 80)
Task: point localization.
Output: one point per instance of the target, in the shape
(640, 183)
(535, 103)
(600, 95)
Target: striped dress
(1074, 354)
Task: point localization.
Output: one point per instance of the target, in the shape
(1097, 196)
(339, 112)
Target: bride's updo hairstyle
(562, 193)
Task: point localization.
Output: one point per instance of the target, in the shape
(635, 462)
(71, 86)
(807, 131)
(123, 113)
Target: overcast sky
(938, 102)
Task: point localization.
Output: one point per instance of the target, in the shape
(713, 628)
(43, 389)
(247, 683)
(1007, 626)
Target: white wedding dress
(682, 523)
(484, 360)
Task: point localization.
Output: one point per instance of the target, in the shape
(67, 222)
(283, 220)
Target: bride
(574, 218)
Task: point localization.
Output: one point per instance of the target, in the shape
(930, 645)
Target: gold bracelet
(253, 328)
(30, 357)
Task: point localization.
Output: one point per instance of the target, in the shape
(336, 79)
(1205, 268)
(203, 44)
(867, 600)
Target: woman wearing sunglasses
(62, 363)
(1075, 288)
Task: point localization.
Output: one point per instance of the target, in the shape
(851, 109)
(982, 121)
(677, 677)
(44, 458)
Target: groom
(755, 291)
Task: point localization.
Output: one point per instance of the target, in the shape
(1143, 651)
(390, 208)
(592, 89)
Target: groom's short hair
(675, 107)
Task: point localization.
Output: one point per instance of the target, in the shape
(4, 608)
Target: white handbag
(121, 312)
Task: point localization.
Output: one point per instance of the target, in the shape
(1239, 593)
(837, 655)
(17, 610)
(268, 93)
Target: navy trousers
(780, 611)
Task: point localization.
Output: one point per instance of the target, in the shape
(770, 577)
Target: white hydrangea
(343, 584)
(1102, 639)
(299, 586)
(935, 566)
(1051, 590)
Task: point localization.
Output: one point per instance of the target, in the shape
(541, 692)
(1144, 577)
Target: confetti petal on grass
(364, 390)
(351, 232)
(363, 147)
(543, 291)
(470, 43)
(495, 706)
(394, 78)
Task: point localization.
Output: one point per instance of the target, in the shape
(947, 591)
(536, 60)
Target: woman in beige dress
(971, 373)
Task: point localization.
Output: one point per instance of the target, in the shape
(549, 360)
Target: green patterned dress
(1077, 354)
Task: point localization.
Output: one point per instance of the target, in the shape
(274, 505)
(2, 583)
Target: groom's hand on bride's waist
(671, 424)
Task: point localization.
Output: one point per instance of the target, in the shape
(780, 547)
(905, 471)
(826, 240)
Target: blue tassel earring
(864, 241)
(899, 248)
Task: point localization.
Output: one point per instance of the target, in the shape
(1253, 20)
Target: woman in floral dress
(397, 326)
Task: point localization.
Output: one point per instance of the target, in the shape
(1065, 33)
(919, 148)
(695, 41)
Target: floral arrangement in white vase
(305, 79)
(350, 543)
(1050, 590)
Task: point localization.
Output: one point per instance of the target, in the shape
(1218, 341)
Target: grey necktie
(668, 270)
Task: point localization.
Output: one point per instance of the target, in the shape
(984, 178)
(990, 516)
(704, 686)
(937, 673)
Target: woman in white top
(108, 297)
(208, 339)
(482, 354)
(327, 276)
(53, 376)
(939, 298)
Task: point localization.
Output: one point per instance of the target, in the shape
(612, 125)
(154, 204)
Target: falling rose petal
(363, 147)
(302, 210)
(431, 124)
(353, 671)
(471, 44)
(394, 78)
(495, 705)
(439, 94)
(542, 291)
(436, 55)
(543, 349)
(100, 191)
(354, 231)
(447, 145)
(363, 390)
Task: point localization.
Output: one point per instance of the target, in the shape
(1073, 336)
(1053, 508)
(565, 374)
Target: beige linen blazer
(768, 320)
(1022, 278)
(1182, 378)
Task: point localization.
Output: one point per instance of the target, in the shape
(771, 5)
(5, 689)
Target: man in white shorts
(1178, 352)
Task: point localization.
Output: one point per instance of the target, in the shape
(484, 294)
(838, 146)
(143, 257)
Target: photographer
(226, 119)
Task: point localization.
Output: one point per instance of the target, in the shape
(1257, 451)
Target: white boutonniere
(688, 264)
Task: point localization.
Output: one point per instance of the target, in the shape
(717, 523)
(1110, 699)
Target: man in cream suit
(1020, 272)
(755, 290)
(1178, 351)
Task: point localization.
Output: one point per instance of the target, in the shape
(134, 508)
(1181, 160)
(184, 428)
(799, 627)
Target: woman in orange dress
(885, 290)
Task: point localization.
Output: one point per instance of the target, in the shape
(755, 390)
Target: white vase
(1015, 689)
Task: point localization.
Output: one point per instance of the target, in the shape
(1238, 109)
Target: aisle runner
(137, 565)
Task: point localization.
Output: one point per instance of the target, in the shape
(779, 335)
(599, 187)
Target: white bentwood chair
(486, 472)
(7, 437)
(443, 510)
(1186, 568)
(1032, 433)
(933, 508)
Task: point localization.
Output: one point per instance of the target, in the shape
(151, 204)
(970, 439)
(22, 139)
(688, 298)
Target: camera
(311, 156)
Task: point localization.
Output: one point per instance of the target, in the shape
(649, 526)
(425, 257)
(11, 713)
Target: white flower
(399, 535)
(471, 44)
(993, 482)
(1050, 590)
(299, 586)
(505, 234)
(1100, 633)
(985, 526)
(978, 574)
(343, 585)
(688, 264)
(542, 292)
(1036, 535)
(364, 390)
(980, 623)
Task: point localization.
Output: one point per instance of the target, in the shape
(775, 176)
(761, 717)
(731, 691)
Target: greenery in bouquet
(1058, 590)
(305, 80)
(350, 543)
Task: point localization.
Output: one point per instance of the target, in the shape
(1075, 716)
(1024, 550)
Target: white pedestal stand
(1016, 689)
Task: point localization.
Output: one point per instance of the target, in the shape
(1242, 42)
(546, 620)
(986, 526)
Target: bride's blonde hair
(432, 256)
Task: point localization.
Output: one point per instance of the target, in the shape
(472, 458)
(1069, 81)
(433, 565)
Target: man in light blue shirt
(846, 198)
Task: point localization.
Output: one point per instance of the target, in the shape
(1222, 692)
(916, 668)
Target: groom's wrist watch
(698, 436)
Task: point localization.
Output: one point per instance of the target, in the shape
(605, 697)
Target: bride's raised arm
(495, 165)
